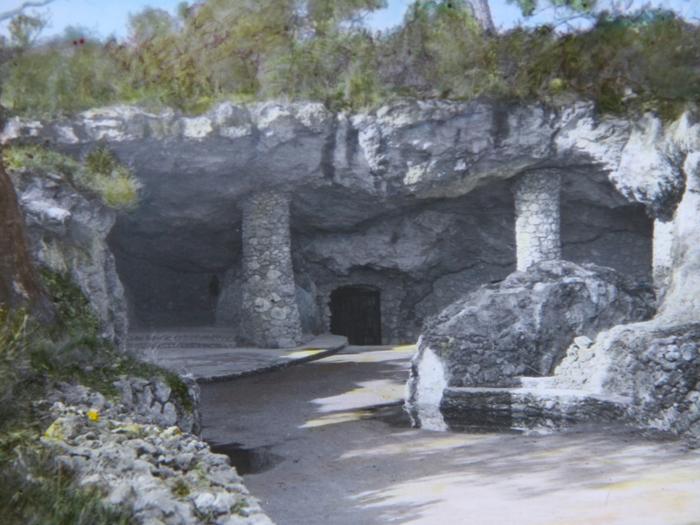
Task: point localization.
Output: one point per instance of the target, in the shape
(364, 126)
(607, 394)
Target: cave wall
(161, 297)
(421, 257)
(424, 258)
(620, 238)
(415, 198)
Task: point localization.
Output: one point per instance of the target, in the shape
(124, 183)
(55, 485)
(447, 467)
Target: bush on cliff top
(100, 172)
(224, 49)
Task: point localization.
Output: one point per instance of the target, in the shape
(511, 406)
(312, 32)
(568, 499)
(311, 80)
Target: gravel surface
(325, 443)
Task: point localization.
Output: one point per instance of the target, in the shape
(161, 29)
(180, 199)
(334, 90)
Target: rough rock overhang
(345, 169)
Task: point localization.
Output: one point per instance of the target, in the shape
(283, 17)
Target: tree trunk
(19, 282)
(20, 286)
(482, 13)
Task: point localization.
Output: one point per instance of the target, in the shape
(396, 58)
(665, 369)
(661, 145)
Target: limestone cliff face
(423, 201)
(67, 233)
(406, 151)
(414, 199)
(19, 283)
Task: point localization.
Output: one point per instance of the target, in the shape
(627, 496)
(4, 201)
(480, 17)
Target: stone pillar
(537, 218)
(269, 312)
(662, 257)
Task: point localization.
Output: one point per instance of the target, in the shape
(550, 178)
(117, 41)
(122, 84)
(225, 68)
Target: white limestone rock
(67, 233)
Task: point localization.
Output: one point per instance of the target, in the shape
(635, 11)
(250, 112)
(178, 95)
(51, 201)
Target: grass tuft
(34, 489)
(100, 173)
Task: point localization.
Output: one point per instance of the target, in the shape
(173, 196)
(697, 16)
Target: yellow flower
(93, 415)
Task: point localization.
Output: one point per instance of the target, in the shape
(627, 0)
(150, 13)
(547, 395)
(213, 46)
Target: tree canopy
(320, 49)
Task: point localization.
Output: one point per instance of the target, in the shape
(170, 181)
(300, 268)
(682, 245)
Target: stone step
(174, 335)
(204, 338)
(538, 383)
(534, 405)
(186, 343)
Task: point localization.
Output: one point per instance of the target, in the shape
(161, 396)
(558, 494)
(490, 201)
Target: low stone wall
(522, 410)
(153, 401)
(162, 475)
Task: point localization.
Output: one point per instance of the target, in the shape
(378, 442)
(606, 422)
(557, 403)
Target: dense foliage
(34, 489)
(99, 173)
(241, 50)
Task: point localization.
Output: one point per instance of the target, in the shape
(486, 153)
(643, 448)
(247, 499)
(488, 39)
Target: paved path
(323, 454)
(211, 354)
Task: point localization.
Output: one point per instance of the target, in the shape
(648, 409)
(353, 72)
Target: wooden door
(355, 313)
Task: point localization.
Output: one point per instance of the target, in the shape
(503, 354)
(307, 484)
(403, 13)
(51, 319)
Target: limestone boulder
(523, 325)
(654, 364)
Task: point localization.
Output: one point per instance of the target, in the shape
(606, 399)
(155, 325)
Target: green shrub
(74, 316)
(40, 160)
(103, 174)
(61, 79)
(13, 353)
(100, 173)
(36, 490)
(242, 50)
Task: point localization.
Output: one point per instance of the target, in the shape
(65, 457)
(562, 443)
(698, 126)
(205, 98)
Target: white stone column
(662, 257)
(269, 312)
(537, 218)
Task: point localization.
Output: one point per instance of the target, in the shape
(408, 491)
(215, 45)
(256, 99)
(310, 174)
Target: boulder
(523, 325)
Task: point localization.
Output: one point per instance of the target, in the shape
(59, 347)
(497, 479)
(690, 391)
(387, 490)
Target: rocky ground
(326, 443)
(159, 475)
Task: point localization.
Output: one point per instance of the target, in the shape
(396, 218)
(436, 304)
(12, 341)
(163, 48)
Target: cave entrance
(355, 313)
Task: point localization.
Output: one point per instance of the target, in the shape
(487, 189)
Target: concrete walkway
(326, 444)
(211, 354)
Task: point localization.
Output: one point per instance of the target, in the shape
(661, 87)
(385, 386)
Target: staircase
(143, 342)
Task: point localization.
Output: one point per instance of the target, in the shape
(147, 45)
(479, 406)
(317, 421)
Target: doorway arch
(356, 314)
